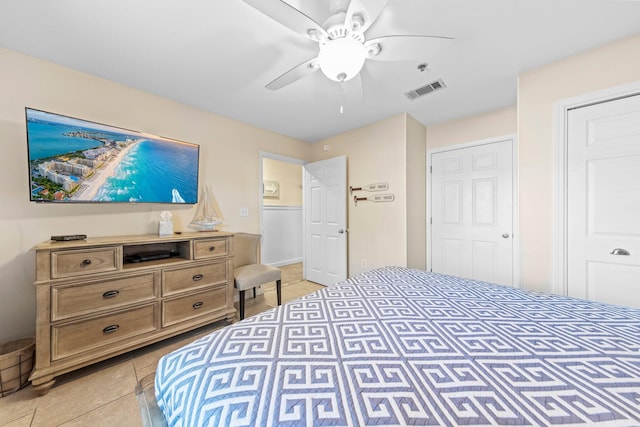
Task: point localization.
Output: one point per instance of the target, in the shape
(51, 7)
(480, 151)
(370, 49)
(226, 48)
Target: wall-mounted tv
(74, 160)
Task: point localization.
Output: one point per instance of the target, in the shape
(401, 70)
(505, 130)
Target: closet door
(472, 212)
(603, 202)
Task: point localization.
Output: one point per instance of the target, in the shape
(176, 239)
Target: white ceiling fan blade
(294, 74)
(407, 48)
(288, 16)
(369, 10)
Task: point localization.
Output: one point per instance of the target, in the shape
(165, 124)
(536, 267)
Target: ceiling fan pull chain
(344, 97)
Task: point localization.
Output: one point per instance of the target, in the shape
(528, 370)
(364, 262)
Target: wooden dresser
(104, 296)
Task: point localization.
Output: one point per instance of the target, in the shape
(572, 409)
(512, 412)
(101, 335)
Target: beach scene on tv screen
(80, 161)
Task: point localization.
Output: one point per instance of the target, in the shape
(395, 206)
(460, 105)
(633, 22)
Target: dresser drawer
(210, 248)
(84, 261)
(192, 278)
(194, 305)
(74, 338)
(90, 297)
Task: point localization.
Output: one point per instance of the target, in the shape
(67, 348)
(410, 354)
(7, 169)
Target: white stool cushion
(252, 275)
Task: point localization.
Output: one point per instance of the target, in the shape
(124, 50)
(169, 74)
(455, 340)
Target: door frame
(515, 201)
(559, 284)
(267, 155)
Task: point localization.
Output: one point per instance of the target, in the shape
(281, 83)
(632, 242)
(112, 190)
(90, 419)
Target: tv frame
(111, 150)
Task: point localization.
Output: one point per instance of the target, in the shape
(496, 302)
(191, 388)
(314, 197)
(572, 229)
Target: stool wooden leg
(279, 291)
(241, 303)
(254, 293)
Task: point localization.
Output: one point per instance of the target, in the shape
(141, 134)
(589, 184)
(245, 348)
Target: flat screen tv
(73, 160)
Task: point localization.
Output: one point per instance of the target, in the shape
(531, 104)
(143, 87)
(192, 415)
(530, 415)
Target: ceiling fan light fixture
(341, 59)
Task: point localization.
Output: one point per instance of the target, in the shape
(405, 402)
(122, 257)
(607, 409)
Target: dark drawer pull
(110, 294)
(212, 248)
(110, 329)
(86, 262)
(197, 277)
(197, 305)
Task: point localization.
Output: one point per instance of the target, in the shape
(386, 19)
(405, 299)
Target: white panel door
(472, 212)
(325, 220)
(603, 202)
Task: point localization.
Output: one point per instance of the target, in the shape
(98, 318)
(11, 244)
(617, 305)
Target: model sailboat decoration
(206, 217)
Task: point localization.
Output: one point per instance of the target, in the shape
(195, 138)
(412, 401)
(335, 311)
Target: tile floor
(104, 394)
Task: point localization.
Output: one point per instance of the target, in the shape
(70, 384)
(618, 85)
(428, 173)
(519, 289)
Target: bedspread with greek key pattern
(398, 346)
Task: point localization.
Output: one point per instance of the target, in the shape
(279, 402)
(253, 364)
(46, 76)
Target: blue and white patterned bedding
(397, 346)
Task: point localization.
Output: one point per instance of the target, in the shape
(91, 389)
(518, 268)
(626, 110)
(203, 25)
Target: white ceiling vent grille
(426, 89)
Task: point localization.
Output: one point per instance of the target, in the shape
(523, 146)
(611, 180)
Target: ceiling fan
(343, 47)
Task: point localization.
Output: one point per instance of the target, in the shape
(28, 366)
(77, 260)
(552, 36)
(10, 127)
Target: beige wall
(229, 155)
(416, 193)
(532, 119)
(289, 177)
(473, 128)
(538, 91)
(230, 165)
(375, 153)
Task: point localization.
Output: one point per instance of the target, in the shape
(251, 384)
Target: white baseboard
(286, 262)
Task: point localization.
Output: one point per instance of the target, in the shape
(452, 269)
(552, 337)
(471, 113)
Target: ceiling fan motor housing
(342, 55)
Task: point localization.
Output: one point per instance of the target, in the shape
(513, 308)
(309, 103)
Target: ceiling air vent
(431, 87)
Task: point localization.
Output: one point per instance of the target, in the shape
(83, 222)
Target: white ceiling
(217, 55)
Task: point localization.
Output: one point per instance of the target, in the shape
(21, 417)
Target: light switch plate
(244, 211)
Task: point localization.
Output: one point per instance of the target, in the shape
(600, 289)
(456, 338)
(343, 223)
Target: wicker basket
(16, 363)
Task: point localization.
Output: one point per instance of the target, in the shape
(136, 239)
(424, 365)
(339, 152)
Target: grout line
(95, 409)
(18, 417)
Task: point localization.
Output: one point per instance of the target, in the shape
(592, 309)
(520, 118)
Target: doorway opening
(281, 213)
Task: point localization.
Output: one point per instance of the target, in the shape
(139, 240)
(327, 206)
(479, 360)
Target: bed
(398, 346)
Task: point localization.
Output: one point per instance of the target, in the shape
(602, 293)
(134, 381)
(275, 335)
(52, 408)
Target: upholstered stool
(248, 272)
